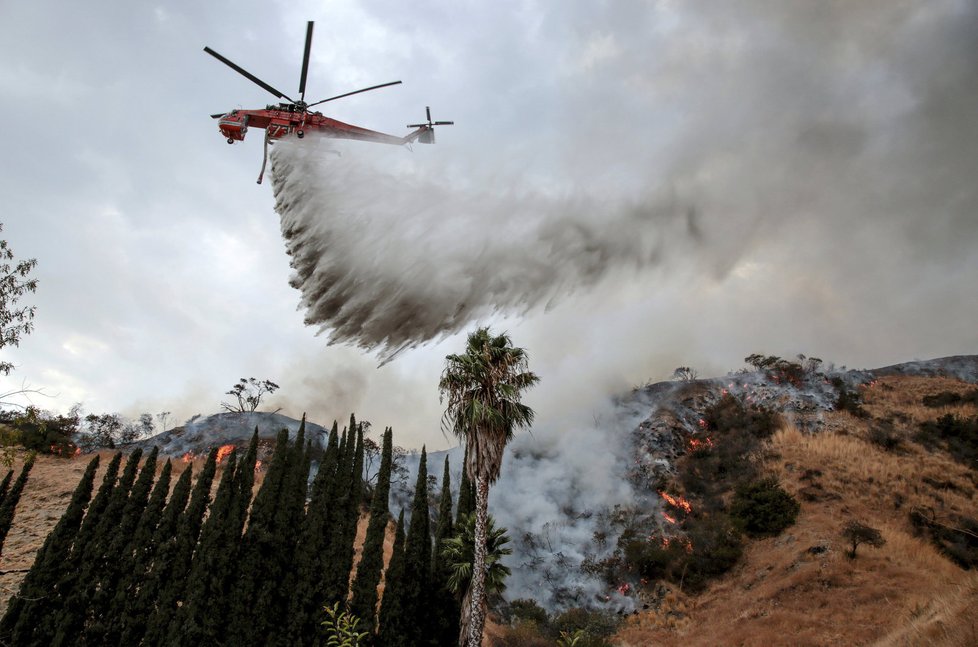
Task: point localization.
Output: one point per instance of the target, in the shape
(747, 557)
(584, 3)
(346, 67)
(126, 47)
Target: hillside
(800, 588)
(860, 458)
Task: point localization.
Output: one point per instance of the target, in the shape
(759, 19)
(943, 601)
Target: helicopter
(279, 120)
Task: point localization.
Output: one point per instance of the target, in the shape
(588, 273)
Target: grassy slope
(905, 593)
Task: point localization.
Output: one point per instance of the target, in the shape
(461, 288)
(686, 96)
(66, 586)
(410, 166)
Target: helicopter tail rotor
(427, 134)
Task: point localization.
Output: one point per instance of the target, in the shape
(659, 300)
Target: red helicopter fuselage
(279, 121)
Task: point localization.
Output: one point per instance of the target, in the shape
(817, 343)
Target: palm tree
(458, 551)
(483, 388)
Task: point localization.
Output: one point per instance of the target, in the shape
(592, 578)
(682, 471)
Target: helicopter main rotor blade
(220, 114)
(340, 96)
(245, 73)
(305, 62)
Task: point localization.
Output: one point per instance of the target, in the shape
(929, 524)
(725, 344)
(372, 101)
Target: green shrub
(717, 467)
(958, 436)
(949, 398)
(763, 508)
(716, 548)
(847, 400)
(730, 415)
(712, 546)
(885, 437)
(591, 628)
(525, 610)
(41, 432)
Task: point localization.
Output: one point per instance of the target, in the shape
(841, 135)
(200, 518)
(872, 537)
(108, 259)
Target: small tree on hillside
(856, 533)
(248, 393)
(163, 416)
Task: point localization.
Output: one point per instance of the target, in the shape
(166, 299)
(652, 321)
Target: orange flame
(682, 541)
(223, 451)
(696, 444)
(677, 502)
(668, 518)
(188, 457)
(257, 466)
(624, 588)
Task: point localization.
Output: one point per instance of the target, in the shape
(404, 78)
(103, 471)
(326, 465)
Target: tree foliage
(16, 321)
(857, 533)
(371, 564)
(341, 628)
(248, 394)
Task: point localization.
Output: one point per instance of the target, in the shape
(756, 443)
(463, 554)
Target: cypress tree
(466, 496)
(417, 559)
(192, 623)
(134, 562)
(36, 598)
(153, 566)
(47, 624)
(272, 602)
(350, 490)
(371, 564)
(201, 619)
(76, 589)
(105, 580)
(308, 597)
(244, 481)
(259, 542)
(5, 485)
(10, 500)
(445, 607)
(393, 619)
(174, 572)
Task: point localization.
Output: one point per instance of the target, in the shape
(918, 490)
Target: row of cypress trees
(138, 564)
(9, 496)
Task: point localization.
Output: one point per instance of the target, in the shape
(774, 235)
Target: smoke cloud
(386, 256)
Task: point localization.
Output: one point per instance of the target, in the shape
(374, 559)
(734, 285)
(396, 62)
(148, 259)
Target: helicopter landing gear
(230, 141)
(300, 134)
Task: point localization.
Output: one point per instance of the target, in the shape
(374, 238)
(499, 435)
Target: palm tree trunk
(478, 586)
(466, 619)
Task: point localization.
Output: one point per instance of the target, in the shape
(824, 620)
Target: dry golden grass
(800, 588)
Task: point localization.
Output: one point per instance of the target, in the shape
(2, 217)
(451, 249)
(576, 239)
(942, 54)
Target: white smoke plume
(388, 256)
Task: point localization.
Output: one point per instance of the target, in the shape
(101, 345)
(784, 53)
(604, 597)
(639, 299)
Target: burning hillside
(226, 431)
(568, 495)
(583, 502)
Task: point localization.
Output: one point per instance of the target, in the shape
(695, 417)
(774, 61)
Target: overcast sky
(704, 180)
